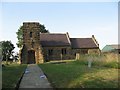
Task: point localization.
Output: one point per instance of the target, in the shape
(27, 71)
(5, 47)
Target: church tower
(31, 51)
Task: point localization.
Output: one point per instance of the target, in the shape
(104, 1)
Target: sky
(80, 19)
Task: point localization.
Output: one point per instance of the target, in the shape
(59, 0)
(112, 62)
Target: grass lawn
(76, 75)
(0, 77)
(11, 74)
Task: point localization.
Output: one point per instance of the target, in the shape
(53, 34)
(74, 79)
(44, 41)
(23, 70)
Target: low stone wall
(94, 51)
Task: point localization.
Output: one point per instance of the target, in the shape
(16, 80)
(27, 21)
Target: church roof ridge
(52, 33)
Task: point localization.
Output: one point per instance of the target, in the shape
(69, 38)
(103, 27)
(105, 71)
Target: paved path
(34, 78)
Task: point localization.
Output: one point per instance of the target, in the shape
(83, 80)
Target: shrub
(111, 65)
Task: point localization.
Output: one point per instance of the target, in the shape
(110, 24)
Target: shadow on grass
(11, 75)
(101, 78)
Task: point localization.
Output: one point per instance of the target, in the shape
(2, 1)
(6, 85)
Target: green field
(11, 74)
(76, 74)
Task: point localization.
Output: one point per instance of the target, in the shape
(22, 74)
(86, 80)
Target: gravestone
(90, 61)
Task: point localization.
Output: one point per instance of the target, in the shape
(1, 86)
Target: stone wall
(31, 32)
(94, 51)
(23, 55)
(76, 53)
(56, 53)
(70, 53)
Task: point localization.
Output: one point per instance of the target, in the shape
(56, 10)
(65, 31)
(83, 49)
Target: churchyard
(100, 72)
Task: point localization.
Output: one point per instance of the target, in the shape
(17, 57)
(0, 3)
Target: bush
(111, 65)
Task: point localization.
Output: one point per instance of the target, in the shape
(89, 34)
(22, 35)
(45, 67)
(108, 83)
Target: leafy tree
(43, 29)
(20, 34)
(7, 49)
(1, 51)
(20, 37)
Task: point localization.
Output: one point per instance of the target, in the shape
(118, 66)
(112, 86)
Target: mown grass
(76, 74)
(0, 76)
(11, 74)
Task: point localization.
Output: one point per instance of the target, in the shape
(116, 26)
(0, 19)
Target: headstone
(89, 62)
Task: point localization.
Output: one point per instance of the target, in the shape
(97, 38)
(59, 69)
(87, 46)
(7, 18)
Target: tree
(43, 29)
(20, 37)
(7, 49)
(20, 34)
(1, 52)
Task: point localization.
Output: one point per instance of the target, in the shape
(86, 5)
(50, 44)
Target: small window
(74, 54)
(64, 51)
(32, 44)
(30, 34)
(50, 52)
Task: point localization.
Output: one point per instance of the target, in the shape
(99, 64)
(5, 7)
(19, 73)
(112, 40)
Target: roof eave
(87, 48)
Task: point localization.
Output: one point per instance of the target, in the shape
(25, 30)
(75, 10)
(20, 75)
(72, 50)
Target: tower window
(30, 34)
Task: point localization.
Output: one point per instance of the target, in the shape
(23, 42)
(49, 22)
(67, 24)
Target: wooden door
(31, 57)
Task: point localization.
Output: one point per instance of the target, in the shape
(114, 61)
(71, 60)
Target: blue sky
(80, 19)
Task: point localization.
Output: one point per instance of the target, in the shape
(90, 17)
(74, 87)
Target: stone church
(42, 47)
